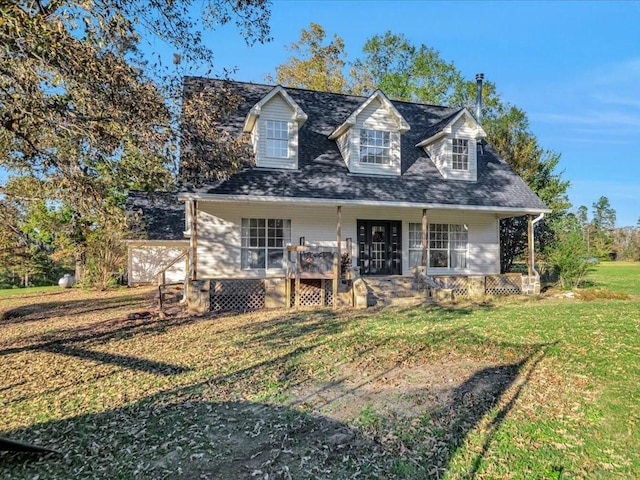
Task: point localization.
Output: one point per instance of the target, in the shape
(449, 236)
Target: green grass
(542, 388)
(617, 276)
(12, 292)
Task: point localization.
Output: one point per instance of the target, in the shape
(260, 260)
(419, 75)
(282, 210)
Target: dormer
(453, 147)
(369, 140)
(273, 123)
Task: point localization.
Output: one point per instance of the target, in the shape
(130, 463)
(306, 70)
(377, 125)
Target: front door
(379, 247)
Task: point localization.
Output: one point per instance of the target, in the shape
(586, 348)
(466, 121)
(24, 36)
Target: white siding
(437, 153)
(374, 117)
(463, 129)
(219, 234)
(344, 145)
(441, 151)
(276, 109)
(146, 262)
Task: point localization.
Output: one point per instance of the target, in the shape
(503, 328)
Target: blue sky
(574, 67)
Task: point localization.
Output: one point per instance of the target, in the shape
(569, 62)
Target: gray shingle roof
(155, 216)
(322, 173)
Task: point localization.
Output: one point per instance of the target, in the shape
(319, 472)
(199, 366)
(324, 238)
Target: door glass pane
(378, 248)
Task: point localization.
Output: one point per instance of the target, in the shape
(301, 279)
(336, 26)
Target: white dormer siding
(276, 109)
(344, 145)
(273, 123)
(375, 118)
(378, 116)
(440, 148)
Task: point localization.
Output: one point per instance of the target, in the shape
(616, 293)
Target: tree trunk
(79, 272)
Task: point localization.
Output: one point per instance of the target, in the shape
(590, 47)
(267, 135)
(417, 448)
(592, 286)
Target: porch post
(338, 263)
(193, 240)
(530, 244)
(424, 239)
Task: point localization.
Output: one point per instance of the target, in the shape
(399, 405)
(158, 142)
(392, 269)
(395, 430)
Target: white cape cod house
(381, 187)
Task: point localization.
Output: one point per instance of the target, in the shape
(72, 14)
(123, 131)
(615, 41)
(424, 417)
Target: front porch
(242, 295)
(235, 256)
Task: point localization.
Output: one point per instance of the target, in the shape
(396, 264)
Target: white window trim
(286, 239)
(274, 141)
(451, 231)
(386, 150)
(460, 160)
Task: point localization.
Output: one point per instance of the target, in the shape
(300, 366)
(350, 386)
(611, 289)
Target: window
(458, 243)
(460, 154)
(264, 242)
(375, 147)
(277, 139)
(415, 244)
(447, 245)
(438, 245)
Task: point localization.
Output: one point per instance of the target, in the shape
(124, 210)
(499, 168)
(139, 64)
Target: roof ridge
(325, 92)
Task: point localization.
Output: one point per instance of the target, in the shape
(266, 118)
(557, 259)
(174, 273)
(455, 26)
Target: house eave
(402, 124)
(330, 202)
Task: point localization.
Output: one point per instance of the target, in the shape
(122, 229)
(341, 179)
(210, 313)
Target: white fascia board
(320, 202)
(340, 130)
(432, 138)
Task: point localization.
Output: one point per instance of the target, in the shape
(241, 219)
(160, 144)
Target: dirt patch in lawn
(405, 391)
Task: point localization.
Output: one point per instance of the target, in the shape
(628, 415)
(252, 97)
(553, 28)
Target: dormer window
(277, 137)
(460, 160)
(274, 123)
(369, 139)
(375, 147)
(451, 145)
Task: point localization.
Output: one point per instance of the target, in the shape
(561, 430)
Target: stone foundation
(531, 285)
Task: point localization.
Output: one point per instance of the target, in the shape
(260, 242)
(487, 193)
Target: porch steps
(393, 290)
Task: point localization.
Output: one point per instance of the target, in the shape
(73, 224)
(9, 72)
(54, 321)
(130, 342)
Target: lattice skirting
(503, 284)
(311, 293)
(239, 295)
(458, 284)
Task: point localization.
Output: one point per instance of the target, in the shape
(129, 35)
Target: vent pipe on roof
(479, 78)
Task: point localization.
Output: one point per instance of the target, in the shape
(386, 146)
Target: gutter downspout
(533, 251)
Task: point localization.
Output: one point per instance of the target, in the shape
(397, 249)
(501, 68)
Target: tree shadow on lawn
(44, 311)
(197, 439)
(199, 432)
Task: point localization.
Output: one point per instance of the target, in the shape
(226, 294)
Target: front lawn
(508, 388)
(20, 292)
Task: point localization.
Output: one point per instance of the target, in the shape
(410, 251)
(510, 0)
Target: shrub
(567, 256)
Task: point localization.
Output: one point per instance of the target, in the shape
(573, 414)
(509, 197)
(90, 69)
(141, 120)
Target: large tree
(509, 134)
(313, 64)
(403, 71)
(84, 112)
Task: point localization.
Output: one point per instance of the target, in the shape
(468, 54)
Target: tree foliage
(509, 135)
(567, 256)
(403, 71)
(601, 236)
(85, 114)
(314, 65)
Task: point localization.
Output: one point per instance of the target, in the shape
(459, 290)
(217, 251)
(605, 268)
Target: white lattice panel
(503, 284)
(237, 295)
